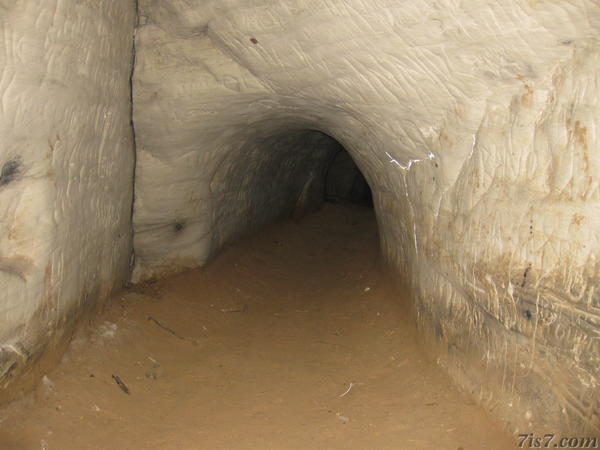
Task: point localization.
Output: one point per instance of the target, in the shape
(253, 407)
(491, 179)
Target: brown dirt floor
(255, 351)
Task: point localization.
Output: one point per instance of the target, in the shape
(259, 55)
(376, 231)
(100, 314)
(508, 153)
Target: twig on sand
(347, 390)
(167, 329)
(120, 383)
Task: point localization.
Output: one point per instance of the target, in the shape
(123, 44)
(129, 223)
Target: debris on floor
(121, 384)
(270, 379)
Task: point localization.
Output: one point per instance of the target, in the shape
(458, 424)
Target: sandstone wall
(476, 125)
(66, 170)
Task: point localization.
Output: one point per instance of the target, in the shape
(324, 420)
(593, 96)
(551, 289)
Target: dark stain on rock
(525, 276)
(528, 314)
(10, 171)
(179, 226)
(254, 40)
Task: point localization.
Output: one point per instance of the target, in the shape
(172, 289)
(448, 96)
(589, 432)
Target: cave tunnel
(299, 224)
(345, 183)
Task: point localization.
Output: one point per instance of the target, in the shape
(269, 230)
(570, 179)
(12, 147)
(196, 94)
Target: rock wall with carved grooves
(476, 125)
(66, 172)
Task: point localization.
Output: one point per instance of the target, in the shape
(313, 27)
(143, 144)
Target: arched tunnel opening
(287, 173)
(299, 224)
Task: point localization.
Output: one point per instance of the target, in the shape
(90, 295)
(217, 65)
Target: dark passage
(345, 183)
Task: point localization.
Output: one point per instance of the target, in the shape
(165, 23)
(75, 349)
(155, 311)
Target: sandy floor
(289, 340)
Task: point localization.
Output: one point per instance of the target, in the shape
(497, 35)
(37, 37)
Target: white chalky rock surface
(476, 124)
(66, 168)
